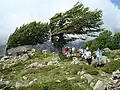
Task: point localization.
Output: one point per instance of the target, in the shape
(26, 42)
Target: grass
(47, 76)
(111, 66)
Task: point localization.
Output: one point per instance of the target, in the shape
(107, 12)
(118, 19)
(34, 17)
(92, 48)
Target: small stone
(31, 82)
(35, 79)
(25, 78)
(17, 85)
(70, 78)
(81, 73)
(78, 73)
(58, 81)
(82, 77)
(91, 84)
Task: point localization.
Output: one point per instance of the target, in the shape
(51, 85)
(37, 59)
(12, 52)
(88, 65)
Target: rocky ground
(33, 70)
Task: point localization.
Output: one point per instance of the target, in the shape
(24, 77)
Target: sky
(14, 13)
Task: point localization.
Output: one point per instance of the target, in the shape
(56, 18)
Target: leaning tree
(78, 20)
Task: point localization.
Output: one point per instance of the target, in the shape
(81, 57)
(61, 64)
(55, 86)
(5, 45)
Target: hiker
(66, 50)
(73, 49)
(83, 51)
(88, 56)
(99, 57)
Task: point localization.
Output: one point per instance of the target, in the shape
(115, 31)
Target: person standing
(88, 56)
(99, 57)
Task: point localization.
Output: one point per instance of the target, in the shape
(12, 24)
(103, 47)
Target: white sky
(14, 13)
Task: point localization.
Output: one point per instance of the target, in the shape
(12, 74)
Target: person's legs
(97, 61)
(89, 61)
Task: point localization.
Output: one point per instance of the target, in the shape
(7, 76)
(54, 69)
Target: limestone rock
(25, 78)
(17, 85)
(55, 63)
(4, 84)
(82, 72)
(70, 78)
(24, 57)
(107, 50)
(88, 77)
(99, 85)
(35, 65)
(116, 75)
(58, 81)
(75, 60)
(4, 58)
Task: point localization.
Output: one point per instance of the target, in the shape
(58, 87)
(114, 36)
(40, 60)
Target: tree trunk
(60, 54)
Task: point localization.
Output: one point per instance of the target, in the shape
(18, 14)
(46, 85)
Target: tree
(78, 20)
(117, 40)
(104, 40)
(29, 34)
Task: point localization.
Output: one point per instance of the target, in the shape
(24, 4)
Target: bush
(111, 66)
(29, 34)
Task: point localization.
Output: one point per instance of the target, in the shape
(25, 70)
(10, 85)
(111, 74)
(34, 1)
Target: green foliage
(74, 69)
(29, 34)
(78, 20)
(111, 66)
(117, 40)
(104, 40)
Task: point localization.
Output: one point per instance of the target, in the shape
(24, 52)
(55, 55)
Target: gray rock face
(88, 77)
(18, 50)
(99, 85)
(24, 57)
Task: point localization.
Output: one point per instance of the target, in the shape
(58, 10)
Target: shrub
(111, 66)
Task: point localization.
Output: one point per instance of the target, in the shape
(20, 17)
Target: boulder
(70, 78)
(4, 84)
(55, 63)
(35, 65)
(18, 50)
(31, 82)
(24, 57)
(116, 75)
(75, 60)
(88, 77)
(104, 59)
(17, 85)
(107, 50)
(99, 85)
(4, 58)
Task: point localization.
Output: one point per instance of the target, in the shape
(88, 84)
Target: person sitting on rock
(99, 57)
(88, 56)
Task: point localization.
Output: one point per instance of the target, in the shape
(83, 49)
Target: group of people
(86, 54)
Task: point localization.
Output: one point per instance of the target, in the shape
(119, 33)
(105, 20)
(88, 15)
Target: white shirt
(88, 54)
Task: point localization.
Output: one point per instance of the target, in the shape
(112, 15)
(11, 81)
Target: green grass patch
(111, 66)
